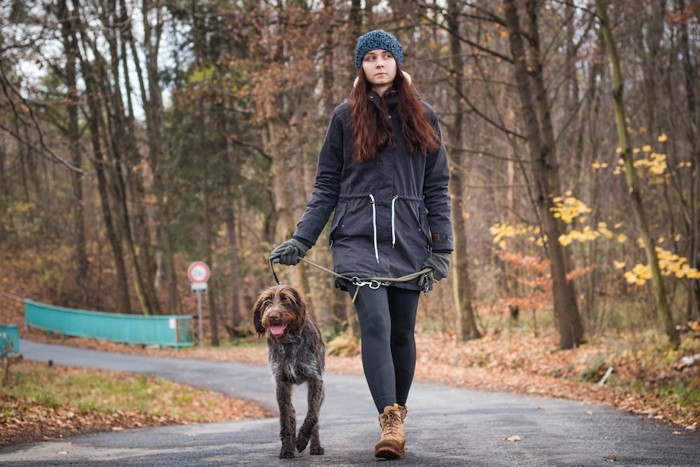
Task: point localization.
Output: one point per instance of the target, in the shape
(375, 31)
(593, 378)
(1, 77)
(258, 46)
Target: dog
(297, 355)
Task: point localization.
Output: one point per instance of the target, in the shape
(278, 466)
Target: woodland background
(137, 137)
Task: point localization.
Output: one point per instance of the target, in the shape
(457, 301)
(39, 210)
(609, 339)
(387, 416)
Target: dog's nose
(275, 317)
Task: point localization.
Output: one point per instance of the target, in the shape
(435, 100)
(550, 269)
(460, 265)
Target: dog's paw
(286, 453)
(301, 443)
(317, 451)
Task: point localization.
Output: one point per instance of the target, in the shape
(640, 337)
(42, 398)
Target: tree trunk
(94, 116)
(123, 302)
(460, 278)
(544, 172)
(209, 236)
(153, 106)
(692, 126)
(143, 254)
(662, 306)
(70, 47)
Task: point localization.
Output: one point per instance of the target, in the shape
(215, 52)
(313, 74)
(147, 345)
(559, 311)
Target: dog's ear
(300, 305)
(258, 309)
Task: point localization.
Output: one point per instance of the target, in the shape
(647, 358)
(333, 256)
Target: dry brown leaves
(32, 422)
(23, 421)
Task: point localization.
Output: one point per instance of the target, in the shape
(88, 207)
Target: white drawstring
(374, 228)
(393, 224)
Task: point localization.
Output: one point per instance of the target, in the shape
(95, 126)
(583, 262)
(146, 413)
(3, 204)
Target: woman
(383, 170)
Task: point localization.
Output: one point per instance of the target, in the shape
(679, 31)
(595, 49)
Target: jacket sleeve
(327, 185)
(437, 195)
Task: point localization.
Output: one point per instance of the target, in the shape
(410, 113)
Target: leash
(373, 283)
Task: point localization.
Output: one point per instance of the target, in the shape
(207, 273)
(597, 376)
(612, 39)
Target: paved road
(445, 427)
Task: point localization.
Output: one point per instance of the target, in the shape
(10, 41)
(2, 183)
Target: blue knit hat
(377, 40)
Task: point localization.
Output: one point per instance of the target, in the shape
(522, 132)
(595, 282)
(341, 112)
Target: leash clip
(372, 283)
(426, 283)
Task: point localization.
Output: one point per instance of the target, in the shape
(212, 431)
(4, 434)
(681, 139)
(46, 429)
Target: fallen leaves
(23, 419)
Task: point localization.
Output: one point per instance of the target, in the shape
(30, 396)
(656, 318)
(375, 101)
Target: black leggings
(387, 318)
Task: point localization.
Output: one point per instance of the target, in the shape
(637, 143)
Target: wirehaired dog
(297, 355)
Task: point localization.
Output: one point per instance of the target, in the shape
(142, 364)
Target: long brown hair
(372, 127)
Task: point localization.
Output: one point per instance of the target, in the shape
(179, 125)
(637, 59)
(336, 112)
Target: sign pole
(198, 273)
(199, 315)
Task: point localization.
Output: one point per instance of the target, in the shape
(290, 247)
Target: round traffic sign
(198, 272)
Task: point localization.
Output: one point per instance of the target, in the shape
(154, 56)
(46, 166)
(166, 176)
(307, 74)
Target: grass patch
(92, 391)
(44, 402)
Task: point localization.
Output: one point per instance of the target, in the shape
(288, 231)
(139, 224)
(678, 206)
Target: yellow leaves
(200, 75)
(622, 238)
(599, 165)
(501, 232)
(603, 230)
(670, 264)
(21, 207)
(567, 208)
(662, 138)
(581, 236)
(619, 264)
(639, 274)
(655, 164)
(586, 235)
(649, 163)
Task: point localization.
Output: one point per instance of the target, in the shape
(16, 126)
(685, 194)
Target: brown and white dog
(297, 355)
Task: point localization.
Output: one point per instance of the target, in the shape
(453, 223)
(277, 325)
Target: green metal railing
(170, 330)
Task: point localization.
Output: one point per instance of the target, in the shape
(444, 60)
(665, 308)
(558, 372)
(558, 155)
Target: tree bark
(692, 126)
(544, 171)
(153, 106)
(70, 46)
(122, 288)
(94, 116)
(461, 282)
(662, 306)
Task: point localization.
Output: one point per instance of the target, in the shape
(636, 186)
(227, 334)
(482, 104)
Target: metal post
(199, 313)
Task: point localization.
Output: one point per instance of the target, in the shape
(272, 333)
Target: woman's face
(379, 67)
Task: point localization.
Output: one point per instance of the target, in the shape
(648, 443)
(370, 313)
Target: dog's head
(280, 311)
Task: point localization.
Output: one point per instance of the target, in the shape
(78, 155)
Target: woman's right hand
(289, 253)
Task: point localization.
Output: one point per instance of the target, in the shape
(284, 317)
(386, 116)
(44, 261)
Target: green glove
(439, 263)
(289, 252)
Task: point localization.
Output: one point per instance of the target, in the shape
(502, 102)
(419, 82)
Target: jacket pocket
(337, 219)
(421, 214)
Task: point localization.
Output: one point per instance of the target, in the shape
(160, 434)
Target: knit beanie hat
(377, 40)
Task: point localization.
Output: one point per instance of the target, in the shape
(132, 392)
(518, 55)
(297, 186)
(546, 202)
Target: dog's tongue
(277, 330)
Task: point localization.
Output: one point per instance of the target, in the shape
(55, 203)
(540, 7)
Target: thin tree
(536, 118)
(461, 282)
(70, 46)
(632, 180)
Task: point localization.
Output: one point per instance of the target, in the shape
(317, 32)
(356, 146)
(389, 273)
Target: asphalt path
(445, 426)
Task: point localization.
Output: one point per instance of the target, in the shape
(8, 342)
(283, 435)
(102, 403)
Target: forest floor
(647, 377)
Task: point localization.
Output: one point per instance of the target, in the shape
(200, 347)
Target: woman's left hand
(439, 263)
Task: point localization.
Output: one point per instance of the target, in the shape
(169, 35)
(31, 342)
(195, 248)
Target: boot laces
(393, 420)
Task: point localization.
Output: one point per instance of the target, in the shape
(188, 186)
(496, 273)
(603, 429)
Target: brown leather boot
(391, 444)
